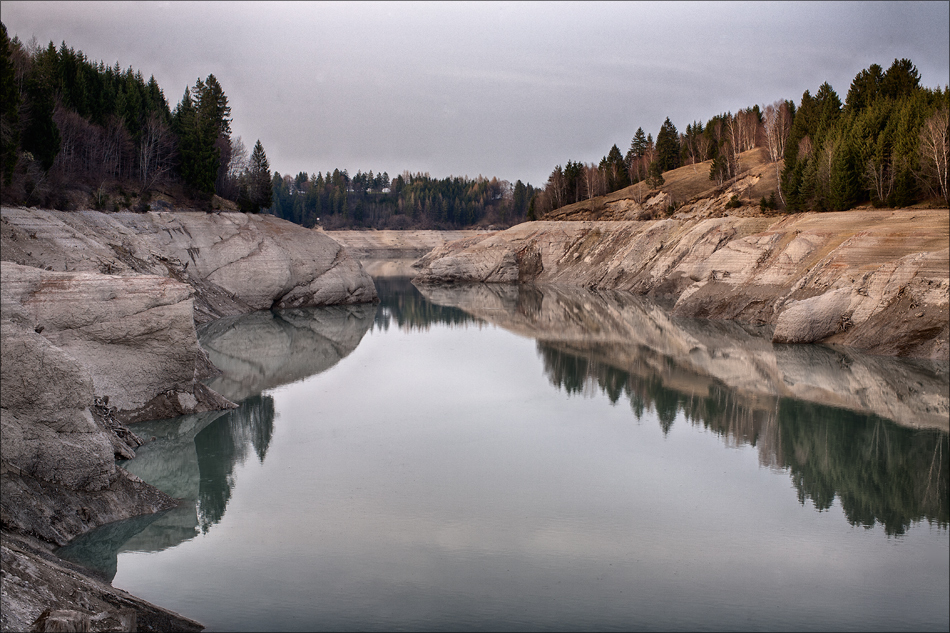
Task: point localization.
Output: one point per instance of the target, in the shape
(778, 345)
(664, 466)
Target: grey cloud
(498, 89)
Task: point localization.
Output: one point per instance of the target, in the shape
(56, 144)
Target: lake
(525, 458)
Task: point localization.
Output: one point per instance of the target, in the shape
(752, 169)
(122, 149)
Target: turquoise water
(503, 458)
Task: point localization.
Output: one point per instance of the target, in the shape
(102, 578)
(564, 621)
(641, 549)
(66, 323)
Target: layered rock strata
(133, 334)
(235, 262)
(389, 244)
(875, 280)
(75, 601)
(59, 477)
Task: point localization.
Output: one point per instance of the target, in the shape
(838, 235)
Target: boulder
(814, 319)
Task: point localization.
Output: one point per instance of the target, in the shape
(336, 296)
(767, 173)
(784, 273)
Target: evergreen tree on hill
(900, 80)
(259, 184)
(202, 123)
(668, 146)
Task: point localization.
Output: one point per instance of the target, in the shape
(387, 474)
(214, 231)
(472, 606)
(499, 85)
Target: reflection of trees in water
(402, 302)
(881, 472)
(225, 443)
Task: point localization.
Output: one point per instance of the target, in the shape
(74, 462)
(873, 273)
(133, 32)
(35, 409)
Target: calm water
(496, 458)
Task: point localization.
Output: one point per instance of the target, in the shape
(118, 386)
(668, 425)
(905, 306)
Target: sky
(496, 89)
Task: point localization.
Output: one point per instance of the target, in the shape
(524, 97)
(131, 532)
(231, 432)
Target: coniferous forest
(78, 133)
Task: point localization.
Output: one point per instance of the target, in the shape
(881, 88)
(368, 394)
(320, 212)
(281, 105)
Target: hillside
(685, 187)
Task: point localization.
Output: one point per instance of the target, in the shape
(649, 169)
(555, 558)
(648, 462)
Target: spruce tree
(260, 185)
(638, 146)
(668, 146)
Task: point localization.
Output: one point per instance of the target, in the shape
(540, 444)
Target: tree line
(336, 200)
(887, 145)
(70, 126)
(73, 131)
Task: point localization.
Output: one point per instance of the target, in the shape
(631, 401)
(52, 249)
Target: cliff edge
(876, 280)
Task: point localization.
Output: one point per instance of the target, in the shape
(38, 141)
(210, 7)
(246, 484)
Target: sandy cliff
(875, 280)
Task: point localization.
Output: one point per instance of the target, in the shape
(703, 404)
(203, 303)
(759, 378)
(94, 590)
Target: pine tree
(259, 184)
(655, 179)
(638, 146)
(900, 80)
(668, 146)
(41, 137)
(203, 127)
(616, 175)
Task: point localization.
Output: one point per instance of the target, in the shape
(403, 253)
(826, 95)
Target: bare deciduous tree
(934, 148)
(880, 178)
(748, 123)
(777, 122)
(555, 187)
(734, 131)
(155, 151)
(703, 147)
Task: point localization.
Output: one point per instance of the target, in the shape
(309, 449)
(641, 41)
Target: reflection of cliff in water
(881, 472)
(818, 413)
(192, 458)
(402, 303)
(630, 332)
(266, 349)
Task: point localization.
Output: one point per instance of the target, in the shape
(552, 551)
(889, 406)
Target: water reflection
(402, 304)
(194, 458)
(822, 415)
(266, 349)
(690, 355)
(814, 411)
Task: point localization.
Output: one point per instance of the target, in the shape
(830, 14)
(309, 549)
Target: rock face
(875, 280)
(98, 330)
(79, 601)
(59, 476)
(133, 334)
(391, 245)
(235, 262)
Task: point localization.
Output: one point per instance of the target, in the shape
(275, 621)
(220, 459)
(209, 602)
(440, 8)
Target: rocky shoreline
(99, 315)
(875, 280)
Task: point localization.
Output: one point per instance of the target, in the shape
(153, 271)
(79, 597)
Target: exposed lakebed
(513, 457)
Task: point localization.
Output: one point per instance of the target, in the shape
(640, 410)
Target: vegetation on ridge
(887, 145)
(75, 133)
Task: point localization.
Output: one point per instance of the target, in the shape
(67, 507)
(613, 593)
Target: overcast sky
(497, 89)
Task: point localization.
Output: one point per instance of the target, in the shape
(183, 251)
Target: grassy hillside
(684, 187)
